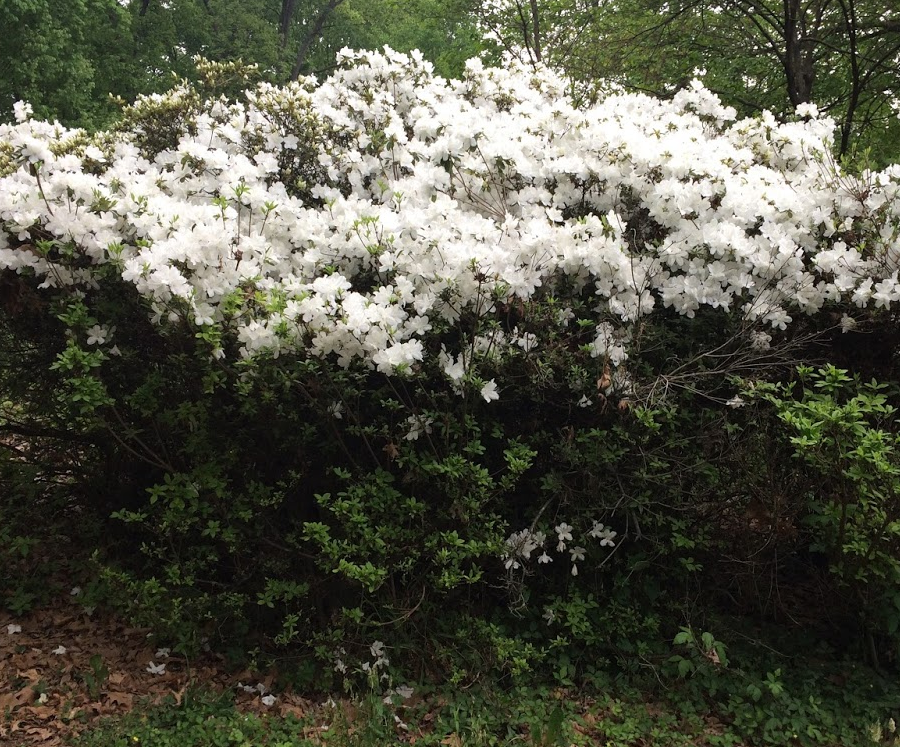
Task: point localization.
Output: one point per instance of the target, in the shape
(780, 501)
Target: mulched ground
(65, 670)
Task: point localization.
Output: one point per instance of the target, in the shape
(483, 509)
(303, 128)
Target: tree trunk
(536, 30)
(284, 21)
(798, 60)
(312, 37)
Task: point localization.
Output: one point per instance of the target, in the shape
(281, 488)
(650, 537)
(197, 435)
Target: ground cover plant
(405, 379)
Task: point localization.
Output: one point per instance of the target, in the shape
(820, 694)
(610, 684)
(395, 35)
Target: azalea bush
(344, 355)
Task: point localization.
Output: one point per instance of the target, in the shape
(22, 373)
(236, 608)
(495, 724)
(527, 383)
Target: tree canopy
(843, 55)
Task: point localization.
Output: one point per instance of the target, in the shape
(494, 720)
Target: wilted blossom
(520, 545)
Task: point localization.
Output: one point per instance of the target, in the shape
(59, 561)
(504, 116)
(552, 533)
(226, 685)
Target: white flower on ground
(59, 650)
(544, 558)
(336, 410)
(43, 698)
(76, 590)
(549, 615)
(12, 629)
(268, 700)
(735, 402)
(162, 653)
(585, 401)
(489, 391)
(154, 668)
(577, 553)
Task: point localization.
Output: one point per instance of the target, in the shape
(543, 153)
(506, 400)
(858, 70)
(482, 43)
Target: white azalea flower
(154, 668)
(606, 535)
(489, 391)
(96, 335)
(749, 219)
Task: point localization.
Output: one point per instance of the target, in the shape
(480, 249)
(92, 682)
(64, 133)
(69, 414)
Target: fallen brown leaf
(126, 700)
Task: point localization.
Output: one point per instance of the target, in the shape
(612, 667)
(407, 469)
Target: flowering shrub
(360, 218)
(343, 320)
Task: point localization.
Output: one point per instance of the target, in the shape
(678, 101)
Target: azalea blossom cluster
(520, 545)
(357, 217)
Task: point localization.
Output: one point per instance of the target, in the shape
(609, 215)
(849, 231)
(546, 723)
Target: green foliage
(765, 55)
(70, 60)
(289, 506)
(96, 677)
(788, 695)
(845, 432)
(204, 720)
(803, 703)
(64, 58)
(444, 31)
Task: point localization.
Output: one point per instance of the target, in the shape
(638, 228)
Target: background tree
(445, 32)
(843, 55)
(63, 56)
(66, 58)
